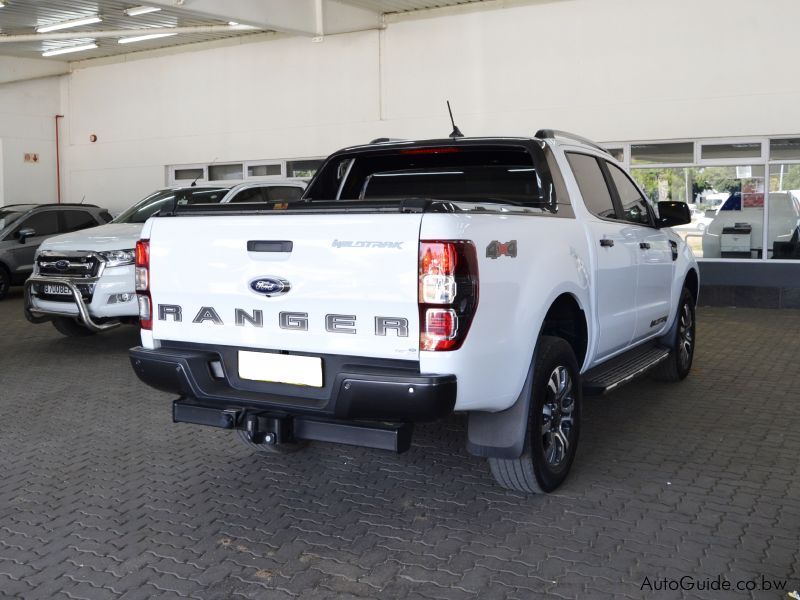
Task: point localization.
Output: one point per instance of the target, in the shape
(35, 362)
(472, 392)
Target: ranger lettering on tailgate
(286, 320)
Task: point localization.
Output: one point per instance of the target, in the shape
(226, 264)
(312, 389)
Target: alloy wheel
(685, 336)
(557, 417)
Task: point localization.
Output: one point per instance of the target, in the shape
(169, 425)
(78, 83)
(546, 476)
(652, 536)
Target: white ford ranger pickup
(83, 281)
(501, 277)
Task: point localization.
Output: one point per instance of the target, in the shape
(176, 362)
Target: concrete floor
(102, 496)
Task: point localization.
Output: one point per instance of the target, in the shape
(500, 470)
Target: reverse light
(448, 293)
(142, 279)
(437, 273)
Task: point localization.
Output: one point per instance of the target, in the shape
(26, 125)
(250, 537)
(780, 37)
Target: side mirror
(671, 214)
(24, 234)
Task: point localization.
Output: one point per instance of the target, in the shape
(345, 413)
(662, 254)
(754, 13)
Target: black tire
(5, 282)
(271, 448)
(555, 412)
(71, 328)
(679, 362)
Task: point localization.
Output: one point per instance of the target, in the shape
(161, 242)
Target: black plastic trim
(270, 246)
(355, 387)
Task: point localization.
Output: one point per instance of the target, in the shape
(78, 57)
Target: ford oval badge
(62, 265)
(270, 286)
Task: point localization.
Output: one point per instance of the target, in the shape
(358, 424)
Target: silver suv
(23, 227)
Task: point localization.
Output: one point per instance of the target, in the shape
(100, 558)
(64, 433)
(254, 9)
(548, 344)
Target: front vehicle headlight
(118, 258)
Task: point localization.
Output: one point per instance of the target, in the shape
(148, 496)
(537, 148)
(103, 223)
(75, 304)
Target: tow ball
(266, 429)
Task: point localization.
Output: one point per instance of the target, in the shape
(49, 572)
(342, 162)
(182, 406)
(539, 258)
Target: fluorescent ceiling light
(2, 4)
(232, 23)
(140, 10)
(141, 38)
(69, 49)
(67, 24)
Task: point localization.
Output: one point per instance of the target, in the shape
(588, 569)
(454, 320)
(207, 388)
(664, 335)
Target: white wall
(609, 69)
(17, 69)
(27, 125)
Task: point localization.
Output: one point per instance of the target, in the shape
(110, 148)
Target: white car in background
(83, 282)
(699, 224)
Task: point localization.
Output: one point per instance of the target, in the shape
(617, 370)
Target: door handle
(644, 245)
(606, 243)
(269, 246)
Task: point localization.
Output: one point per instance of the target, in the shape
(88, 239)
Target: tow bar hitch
(268, 430)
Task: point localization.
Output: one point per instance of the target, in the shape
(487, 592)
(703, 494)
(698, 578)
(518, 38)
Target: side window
(77, 219)
(253, 194)
(592, 185)
(284, 193)
(634, 206)
(43, 223)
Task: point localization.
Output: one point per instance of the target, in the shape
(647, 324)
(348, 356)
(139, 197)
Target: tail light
(142, 277)
(448, 293)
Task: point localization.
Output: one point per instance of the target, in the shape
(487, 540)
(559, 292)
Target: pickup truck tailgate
(350, 282)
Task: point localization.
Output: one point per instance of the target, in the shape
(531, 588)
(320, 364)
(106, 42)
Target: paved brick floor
(101, 496)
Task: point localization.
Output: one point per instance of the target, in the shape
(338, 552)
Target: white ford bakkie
(502, 277)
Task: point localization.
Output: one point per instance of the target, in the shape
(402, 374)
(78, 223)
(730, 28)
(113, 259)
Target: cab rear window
(445, 173)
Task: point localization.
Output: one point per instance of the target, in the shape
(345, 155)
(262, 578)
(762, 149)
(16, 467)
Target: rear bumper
(355, 388)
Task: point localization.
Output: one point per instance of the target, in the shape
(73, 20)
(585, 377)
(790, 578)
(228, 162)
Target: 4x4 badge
(495, 249)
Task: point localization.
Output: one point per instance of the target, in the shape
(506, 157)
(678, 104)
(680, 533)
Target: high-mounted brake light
(448, 293)
(142, 279)
(442, 150)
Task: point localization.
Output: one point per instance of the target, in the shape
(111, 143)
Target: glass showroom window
(726, 202)
(783, 207)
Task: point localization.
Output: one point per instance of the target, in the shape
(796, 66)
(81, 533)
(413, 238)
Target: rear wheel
(71, 327)
(679, 362)
(553, 423)
(5, 282)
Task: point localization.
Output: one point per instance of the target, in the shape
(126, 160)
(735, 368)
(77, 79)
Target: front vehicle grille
(78, 265)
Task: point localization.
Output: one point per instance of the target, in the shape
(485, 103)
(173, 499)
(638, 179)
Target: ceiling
(303, 17)
(397, 6)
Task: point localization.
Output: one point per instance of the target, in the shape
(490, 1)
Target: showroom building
(666, 92)
(391, 377)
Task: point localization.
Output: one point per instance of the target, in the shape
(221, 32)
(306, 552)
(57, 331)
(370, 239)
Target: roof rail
(40, 204)
(384, 140)
(69, 204)
(554, 133)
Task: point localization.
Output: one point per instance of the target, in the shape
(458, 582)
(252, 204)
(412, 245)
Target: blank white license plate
(56, 289)
(280, 368)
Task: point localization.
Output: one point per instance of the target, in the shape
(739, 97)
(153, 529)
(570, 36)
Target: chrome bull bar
(37, 315)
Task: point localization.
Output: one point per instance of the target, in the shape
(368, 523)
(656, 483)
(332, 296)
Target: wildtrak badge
(363, 244)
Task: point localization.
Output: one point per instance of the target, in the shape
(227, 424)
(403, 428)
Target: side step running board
(622, 369)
